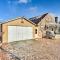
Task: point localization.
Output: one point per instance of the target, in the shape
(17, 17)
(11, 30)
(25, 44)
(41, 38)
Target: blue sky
(10, 9)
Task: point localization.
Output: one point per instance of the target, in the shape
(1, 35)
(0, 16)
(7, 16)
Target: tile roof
(36, 20)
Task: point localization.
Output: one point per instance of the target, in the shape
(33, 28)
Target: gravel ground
(40, 49)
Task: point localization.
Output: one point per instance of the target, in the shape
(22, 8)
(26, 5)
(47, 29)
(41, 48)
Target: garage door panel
(19, 33)
(29, 34)
(24, 33)
(16, 33)
(11, 33)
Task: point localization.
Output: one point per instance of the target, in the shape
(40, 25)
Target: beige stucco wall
(15, 23)
(45, 21)
(39, 33)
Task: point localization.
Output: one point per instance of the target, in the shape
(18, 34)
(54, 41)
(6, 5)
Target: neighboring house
(25, 29)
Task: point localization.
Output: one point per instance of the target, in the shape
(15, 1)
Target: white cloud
(33, 9)
(24, 1)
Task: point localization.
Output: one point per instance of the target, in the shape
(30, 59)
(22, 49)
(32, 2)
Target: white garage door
(16, 33)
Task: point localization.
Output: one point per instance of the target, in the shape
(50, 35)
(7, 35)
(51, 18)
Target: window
(35, 31)
(52, 29)
(45, 27)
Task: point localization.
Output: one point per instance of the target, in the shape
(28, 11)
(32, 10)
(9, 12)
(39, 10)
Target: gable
(47, 20)
(18, 21)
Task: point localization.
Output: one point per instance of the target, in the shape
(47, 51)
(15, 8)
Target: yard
(40, 49)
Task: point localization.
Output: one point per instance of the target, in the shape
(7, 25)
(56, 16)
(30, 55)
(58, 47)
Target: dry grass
(40, 49)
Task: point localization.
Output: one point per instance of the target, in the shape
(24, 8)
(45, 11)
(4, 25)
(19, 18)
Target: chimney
(56, 19)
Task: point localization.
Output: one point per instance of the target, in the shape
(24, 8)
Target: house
(23, 29)
(43, 22)
(17, 29)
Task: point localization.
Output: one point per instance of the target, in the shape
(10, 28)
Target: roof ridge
(18, 18)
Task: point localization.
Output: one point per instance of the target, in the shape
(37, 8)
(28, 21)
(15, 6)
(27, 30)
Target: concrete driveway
(41, 49)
